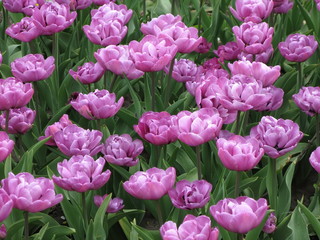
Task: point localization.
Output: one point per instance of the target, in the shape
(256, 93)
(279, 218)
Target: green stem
(199, 162)
(300, 80)
(173, 6)
(84, 209)
(153, 90)
(37, 105)
(200, 16)
(26, 225)
(159, 212)
(237, 184)
(105, 80)
(113, 81)
(318, 129)
(144, 10)
(7, 121)
(240, 236)
(169, 84)
(274, 188)
(56, 80)
(238, 123)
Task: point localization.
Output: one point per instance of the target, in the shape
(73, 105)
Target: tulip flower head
(88, 73)
(6, 146)
(282, 6)
(270, 225)
(115, 204)
(184, 70)
(315, 159)
(6, 205)
(25, 30)
(3, 231)
(308, 100)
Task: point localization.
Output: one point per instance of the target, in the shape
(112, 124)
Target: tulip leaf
(312, 219)
(41, 233)
(89, 233)
(8, 166)
(114, 218)
(172, 108)
(135, 98)
(254, 233)
(298, 226)
(14, 228)
(147, 234)
(98, 223)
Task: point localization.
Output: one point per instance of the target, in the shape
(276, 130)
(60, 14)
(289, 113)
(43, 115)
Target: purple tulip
(308, 100)
(20, 120)
(3, 231)
(277, 136)
(318, 4)
(25, 30)
(32, 67)
(152, 54)
(253, 38)
(315, 159)
(157, 25)
(158, 128)
(204, 46)
(6, 205)
(298, 47)
(115, 204)
(118, 60)
(102, 2)
(6, 146)
(238, 153)
(76, 4)
(29, 193)
(111, 11)
(282, 6)
(229, 51)
(0, 58)
(270, 225)
(88, 73)
(190, 195)
(81, 174)
(56, 127)
(191, 228)
(275, 101)
(252, 10)
(14, 93)
(22, 6)
(184, 70)
(212, 63)
(263, 57)
(199, 127)
(99, 104)
(53, 17)
(239, 215)
(121, 150)
(152, 184)
(74, 140)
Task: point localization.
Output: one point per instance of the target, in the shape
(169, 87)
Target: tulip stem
(26, 225)
(113, 81)
(199, 162)
(144, 10)
(7, 121)
(238, 123)
(56, 80)
(274, 184)
(240, 236)
(300, 80)
(84, 210)
(200, 16)
(169, 84)
(237, 184)
(318, 129)
(153, 90)
(159, 212)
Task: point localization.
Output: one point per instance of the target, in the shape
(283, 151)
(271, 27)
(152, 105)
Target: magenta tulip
(157, 25)
(25, 30)
(23, 6)
(115, 204)
(3, 231)
(88, 73)
(275, 101)
(270, 225)
(282, 6)
(315, 159)
(6, 146)
(76, 4)
(229, 51)
(184, 70)
(308, 100)
(6, 205)
(111, 11)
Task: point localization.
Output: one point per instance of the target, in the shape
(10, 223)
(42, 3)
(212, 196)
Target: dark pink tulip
(275, 101)
(308, 100)
(198, 127)
(318, 4)
(25, 30)
(105, 32)
(6, 205)
(157, 128)
(22, 6)
(152, 184)
(76, 4)
(282, 6)
(121, 150)
(239, 215)
(253, 38)
(270, 225)
(252, 10)
(190, 195)
(53, 17)
(29, 193)
(20, 120)
(315, 159)
(261, 72)
(277, 137)
(152, 54)
(229, 51)
(81, 174)
(157, 25)
(238, 153)
(204, 46)
(212, 63)
(56, 127)
(298, 47)
(74, 140)
(115, 204)
(0, 58)
(99, 104)
(111, 11)
(32, 67)
(102, 2)
(6, 146)
(88, 73)
(3, 231)
(184, 70)
(261, 57)
(191, 228)
(118, 60)
(14, 93)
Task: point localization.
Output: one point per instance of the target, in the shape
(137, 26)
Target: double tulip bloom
(6, 146)
(229, 51)
(282, 6)
(6, 205)
(88, 73)
(315, 159)
(25, 30)
(76, 4)
(308, 100)
(22, 6)
(115, 204)
(184, 70)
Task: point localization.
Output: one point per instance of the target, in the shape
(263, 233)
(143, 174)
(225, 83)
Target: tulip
(23, 6)
(0, 59)
(315, 159)
(298, 47)
(212, 63)
(190, 195)
(88, 73)
(152, 184)
(263, 57)
(270, 225)
(32, 67)
(102, 2)
(115, 204)
(56, 127)
(99, 104)
(198, 127)
(6, 205)
(6, 146)
(81, 174)
(253, 38)
(282, 6)
(118, 60)
(275, 101)
(110, 11)
(252, 10)
(25, 30)
(121, 150)
(74, 140)
(308, 100)
(239, 215)
(53, 17)
(318, 4)
(152, 54)
(157, 25)
(204, 46)
(184, 70)
(229, 51)
(238, 153)
(76, 4)
(158, 128)
(191, 228)
(20, 120)
(29, 193)
(14, 93)
(276, 136)
(3, 231)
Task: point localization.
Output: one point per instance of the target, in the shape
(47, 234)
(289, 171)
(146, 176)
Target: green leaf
(114, 218)
(147, 234)
(312, 219)
(14, 228)
(298, 226)
(98, 226)
(41, 233)
(254, 233)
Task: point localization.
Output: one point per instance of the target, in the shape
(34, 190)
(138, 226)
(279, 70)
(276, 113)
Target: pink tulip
(275, 101)
(3, 231)
(270, 225)
(157, 25)
(22, 6)
(204, 46)
(25, 30)
(229, 51)
(263, 57)
(111, 11)
(6, 205)
(6, 146)
(102, 2)
(184, 70)
(76, 4)
(115, 204)
(315, 159)
(88, 73)
(308, 100)
(282, 6)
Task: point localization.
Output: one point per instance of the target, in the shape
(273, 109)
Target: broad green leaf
(298, 226)
(312, 219)
(98, 224)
